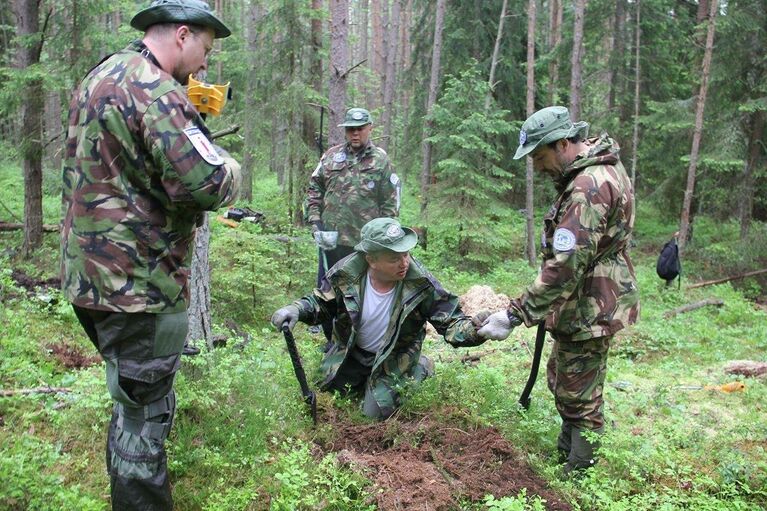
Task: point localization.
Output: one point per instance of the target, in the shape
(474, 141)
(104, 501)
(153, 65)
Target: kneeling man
(379, 299)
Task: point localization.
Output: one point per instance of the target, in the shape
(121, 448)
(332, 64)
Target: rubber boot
(564, 442)
(581, 451)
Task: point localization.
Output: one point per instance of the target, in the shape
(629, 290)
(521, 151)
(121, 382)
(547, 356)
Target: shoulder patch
(203, 145)
(564, 240)
(394, 179)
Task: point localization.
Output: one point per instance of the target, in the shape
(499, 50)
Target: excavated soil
(72, 357)
(32, 283)
(434, 464)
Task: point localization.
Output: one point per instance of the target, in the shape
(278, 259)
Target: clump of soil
(72, 357)
(478, 298)
(435, 464)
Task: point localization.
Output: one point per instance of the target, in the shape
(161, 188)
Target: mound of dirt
(31, 283)
(434, 464)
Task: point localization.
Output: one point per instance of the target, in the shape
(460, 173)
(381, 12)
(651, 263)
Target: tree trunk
(364, 30)
(253, 15)
(615, 55)
(219, 43)
(637, 83)
(529, 204)
(747, 187)
(696, 136)
(199, 288)
(496, 51)
(555, 38)
(576, 81)
(436, 56)
(390, 84)
(31, 148)
(339, 65)
(377, 57)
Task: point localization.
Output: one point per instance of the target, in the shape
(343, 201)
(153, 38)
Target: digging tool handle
(308, 395)
(540, 337)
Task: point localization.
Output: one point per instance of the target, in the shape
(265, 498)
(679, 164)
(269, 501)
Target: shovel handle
(307, 394)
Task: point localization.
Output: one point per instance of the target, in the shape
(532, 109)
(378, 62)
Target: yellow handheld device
(207, 98)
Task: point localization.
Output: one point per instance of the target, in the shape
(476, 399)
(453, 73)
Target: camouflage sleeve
(315, 195)
(319, 306)
(574, 246)
(194, 174)
(391, 191)
(445, 315)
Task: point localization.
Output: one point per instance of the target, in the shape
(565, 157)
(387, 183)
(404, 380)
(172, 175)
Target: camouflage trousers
(575, 374)
(142, 353)
(382, 393)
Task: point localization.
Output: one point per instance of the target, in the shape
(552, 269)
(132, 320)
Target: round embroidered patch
(357, 116)
(339, 157)
(394, 231)
(564, 240)
(371, 185)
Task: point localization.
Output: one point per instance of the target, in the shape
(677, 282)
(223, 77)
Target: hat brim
(176, 14)
(352, 124)
(404, 244)
(579, 127)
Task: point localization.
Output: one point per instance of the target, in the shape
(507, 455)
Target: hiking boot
(190, 350)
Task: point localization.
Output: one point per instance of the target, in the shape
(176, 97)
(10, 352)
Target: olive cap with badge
(194, 12)
(546, 126)
(386, 234)
(356, 117)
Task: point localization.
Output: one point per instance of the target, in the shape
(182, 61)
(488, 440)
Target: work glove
(326, 240)
(480, 317)
(287, 314)
(499, 325)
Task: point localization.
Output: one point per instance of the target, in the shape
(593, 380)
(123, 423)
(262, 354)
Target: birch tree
(529, 204)
(390, 83)
(494, 59)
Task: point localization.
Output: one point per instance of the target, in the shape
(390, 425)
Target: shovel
(308, 395)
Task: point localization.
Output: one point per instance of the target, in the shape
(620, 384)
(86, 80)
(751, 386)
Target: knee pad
(137, 438)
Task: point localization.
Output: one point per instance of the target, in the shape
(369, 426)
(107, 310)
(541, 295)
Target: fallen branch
(727, 279)
(36, 390)
(692, 306)
(227, 131)
(747, 368)
(12, 226)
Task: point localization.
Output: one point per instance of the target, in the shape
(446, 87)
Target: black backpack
(669, 266)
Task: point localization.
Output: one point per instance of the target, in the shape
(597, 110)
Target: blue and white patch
(522, 137)
(371, 185)
(564, 240)
(203, 146)
(394, 179)
(339, 157)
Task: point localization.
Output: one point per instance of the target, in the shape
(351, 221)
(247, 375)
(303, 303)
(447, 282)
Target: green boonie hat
(356, 117)
(546, 126)
(386, 234)
(194, 12)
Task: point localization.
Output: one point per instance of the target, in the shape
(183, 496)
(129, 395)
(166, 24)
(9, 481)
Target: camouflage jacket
(586, 287)
(349, 189)
(138, 171)
(418, 298)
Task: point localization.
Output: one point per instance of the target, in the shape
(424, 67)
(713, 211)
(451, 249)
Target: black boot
(581, 451)
(564, 442)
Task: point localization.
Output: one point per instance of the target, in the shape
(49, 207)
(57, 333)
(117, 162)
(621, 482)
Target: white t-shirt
(376, 312)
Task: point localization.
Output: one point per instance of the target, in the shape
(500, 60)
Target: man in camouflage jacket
(139, 171)
(586, 289)
(377, 339)
(352, 184)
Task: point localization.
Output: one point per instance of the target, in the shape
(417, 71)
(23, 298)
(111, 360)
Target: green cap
(386, 234)
(356, 117)
(546, 126)
(194, 12)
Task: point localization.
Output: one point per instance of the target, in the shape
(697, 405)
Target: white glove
(497, 326)
(326, 240)
(287, 314)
